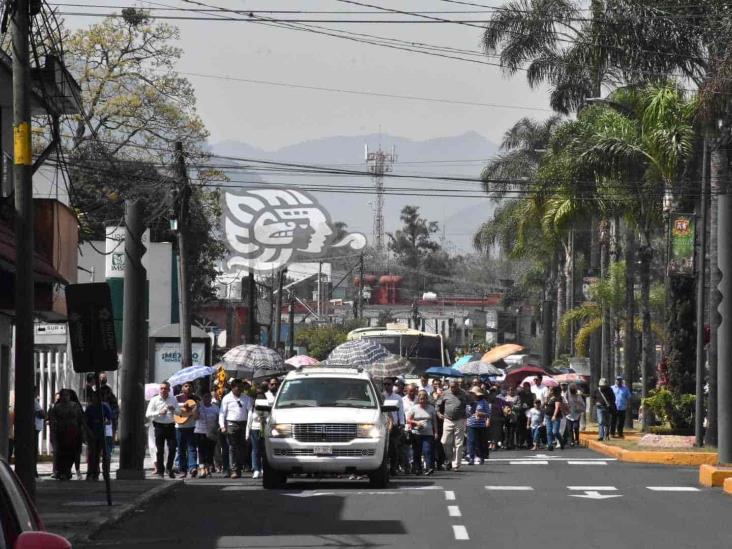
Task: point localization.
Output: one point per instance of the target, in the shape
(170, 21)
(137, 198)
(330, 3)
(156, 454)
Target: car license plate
(323, 450)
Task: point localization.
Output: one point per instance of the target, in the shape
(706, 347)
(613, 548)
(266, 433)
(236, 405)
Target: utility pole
(278, 309)
(184, 303)
(25, 434)
(379, 163)
(724, 373)
(320, 297)
(360, 287)
(291, 321)
(132, 411)
(251, 285)
(547, 327)
(700, 291)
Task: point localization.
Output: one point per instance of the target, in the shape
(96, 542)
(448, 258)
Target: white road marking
(461, 533)
(454, 511)
(585, 488)
(587, 462)
(547, 458)
(449, 495)
(510, 488)
(594, 494)
(673, 489)
(431, 487)
(529, 462)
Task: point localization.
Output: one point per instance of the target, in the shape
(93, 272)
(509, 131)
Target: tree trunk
(606, 331)
(648, 351)
(629, 360)
(595, 338)
(561, 302)
(718, 174)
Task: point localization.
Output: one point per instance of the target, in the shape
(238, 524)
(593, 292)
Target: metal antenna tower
(379, 163)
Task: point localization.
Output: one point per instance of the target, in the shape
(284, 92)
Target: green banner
(681, 256)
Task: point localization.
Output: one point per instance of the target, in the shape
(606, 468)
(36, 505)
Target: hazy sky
(270, 117)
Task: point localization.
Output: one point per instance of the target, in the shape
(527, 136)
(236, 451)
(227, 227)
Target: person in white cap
(605, 402)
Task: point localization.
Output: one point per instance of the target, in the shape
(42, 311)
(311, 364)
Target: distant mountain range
(457, 156)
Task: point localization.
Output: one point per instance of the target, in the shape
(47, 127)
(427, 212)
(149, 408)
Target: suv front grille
(324, 432)
(337, 452)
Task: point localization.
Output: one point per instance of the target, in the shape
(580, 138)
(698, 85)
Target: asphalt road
(575, 498)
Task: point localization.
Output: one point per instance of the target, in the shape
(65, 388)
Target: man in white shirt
(540, 392)
(273, 387)
(409, 401)
(235, 408)
(160, 410)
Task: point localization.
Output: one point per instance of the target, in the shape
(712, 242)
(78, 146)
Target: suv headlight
(281, 430)
(368, 430)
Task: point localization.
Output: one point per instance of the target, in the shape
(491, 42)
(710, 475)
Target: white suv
(326, 420)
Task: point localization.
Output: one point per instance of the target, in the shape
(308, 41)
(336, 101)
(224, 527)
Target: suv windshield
(326, 391)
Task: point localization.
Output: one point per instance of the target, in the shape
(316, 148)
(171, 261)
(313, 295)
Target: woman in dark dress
(67, 428)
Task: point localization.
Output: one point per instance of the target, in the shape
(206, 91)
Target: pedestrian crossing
(594, 492)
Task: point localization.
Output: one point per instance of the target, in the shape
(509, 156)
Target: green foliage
(321, 339)
(675, 409)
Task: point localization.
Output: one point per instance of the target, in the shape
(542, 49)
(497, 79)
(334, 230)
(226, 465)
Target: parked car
(326, 420)
(20, 525)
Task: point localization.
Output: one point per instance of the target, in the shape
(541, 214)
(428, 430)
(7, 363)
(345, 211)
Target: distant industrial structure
(379, 163)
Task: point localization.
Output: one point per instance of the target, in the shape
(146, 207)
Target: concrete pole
(724, 334)
(278, 309)
(360, 287)
(701, 230)
(251, 313)
(291, 321)
(132, 409)
(184, 302)
(547, 327)
(25, 435)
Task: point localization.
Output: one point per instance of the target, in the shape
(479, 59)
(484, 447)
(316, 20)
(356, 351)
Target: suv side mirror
(41, 540)
(387, 408)
(262, 405)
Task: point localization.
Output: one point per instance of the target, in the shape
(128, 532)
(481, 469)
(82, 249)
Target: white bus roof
(358, 333)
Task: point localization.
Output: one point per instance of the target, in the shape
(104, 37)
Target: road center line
(673, 489)
(460, 532)
(510, 488)
(593, 488)
(449, 495)
(587, 462)
(454, 511)
(537, 462)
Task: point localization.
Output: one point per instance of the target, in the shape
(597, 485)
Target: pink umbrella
(572, 378)
(546, 381)
(301, 360)
(151, 390)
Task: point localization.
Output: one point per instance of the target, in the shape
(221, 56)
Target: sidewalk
(77, 509)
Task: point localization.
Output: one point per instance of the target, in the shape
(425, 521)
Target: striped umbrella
(249, 358)
(356, 353)
(391, 366)
(301, 360)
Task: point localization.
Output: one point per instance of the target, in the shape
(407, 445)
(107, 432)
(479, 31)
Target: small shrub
(676, 410)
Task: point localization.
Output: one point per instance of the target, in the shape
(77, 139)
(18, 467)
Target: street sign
(91, 327)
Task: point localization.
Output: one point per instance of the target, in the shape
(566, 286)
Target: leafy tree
(321, 339)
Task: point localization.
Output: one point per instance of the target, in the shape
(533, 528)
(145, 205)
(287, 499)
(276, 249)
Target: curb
(120, 513)
(664, 458)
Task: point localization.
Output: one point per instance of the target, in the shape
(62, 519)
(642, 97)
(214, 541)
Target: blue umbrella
(189, 374)
(443, 371)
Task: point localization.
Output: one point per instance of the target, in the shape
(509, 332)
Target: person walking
(496, 419)
(160, 411)
(67, 428)
(524, 403)
(554, 414)
(206, 433)
(478, 412)
(235, 409)
(184, 432)
(451, 408)
(576, 407)
(605, 404)
(110, 398)
(397, 421)
(534, 422)
(409, 401)
(254, 433)
(622, 397)
(98, 415)
(421, 420)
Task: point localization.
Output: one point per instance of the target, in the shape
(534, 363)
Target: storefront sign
(115, 250)
(168, 358)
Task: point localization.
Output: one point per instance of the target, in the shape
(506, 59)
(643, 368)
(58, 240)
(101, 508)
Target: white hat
(603, 382)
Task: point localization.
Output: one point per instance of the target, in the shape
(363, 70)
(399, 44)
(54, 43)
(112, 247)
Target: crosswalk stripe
(510, 488)
(449, 495)
(460, 532)
(596, 488)
(583, 462)
(673, 489)
(454, 511)
(533, 462)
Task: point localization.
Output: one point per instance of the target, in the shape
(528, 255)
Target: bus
(422, 349)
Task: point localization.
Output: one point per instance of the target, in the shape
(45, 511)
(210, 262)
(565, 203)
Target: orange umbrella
(502, 351)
